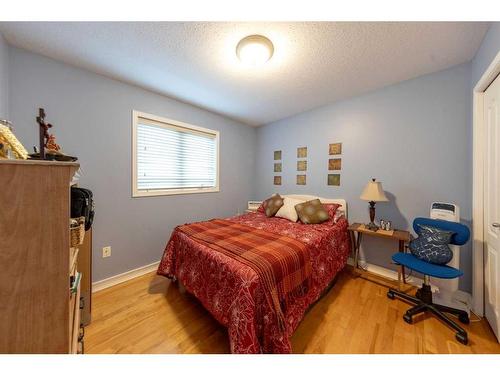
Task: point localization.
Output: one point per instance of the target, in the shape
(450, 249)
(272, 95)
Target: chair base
(423, 302)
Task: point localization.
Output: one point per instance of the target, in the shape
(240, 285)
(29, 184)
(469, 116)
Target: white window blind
(172, 158)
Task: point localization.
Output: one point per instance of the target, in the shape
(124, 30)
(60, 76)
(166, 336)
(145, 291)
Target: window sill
(157, 193)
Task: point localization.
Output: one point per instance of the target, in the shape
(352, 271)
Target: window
(171, 157)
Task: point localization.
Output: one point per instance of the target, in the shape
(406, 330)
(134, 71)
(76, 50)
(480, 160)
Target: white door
(492, 206)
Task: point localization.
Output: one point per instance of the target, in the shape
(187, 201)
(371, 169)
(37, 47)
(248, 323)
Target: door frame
(478, 147)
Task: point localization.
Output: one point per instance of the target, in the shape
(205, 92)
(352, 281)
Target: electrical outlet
(106, 251)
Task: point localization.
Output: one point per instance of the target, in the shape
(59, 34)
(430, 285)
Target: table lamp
(372, 193)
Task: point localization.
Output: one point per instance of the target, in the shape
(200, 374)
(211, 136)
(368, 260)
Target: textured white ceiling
(314, 63)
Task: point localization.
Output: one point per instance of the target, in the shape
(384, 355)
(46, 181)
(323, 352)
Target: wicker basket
(77, 231)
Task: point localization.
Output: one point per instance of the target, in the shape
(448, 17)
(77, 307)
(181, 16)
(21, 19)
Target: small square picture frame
(302, 152)
(301, 179)
(335, 148)
(335, 164)
(334, 179)
(277, 155)
(301, 165)
(277, 180)
(278, 167)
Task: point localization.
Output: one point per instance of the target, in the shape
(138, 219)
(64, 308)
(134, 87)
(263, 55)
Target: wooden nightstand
(357, 231)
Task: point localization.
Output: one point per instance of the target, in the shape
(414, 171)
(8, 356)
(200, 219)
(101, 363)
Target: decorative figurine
(51, 144)
(388, 225)
(49, 149)
(44, 131)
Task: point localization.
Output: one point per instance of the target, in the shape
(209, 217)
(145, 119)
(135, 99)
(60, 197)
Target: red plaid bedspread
(234, 293)
(282, 263)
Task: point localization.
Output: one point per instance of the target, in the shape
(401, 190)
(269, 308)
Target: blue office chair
(423, 297)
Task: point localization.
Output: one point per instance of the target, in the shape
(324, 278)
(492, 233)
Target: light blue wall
(412, 136)
(486, 53)
(92, 120)
(4, 78)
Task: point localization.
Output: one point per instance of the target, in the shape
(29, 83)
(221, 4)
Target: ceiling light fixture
(254, 50)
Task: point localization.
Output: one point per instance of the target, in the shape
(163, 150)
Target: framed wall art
(335, 149)
(302, 152)
(334, 179)
(301, 165)
(301, 179)
(335, 164)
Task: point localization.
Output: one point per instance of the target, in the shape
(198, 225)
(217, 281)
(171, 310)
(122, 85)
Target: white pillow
(287, 211)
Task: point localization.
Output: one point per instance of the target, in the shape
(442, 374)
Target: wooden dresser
(39, 298)
(85, 267)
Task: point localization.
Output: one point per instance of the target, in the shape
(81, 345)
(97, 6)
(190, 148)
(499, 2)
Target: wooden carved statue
(44, 131)
(51, 144)
(49, 149)
(47, 141)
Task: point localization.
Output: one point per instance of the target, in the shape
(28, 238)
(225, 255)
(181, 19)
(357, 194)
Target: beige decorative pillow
(311, 212)
(272, 205)
(288, 210)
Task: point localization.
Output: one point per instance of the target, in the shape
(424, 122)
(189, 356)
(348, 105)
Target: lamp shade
(373, 192)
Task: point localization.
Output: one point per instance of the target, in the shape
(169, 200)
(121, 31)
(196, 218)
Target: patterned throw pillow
(431, 245)
(271, 205)
(312, 212)
(333, 212)
(288, 210)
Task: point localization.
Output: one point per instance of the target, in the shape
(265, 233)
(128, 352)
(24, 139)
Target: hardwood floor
(152, 315)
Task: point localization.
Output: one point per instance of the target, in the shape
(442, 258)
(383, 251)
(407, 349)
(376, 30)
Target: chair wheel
(464, 318)
(407, 318)
(462, 338)
(390, 294)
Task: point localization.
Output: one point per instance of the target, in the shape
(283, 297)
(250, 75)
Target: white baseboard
(372, 268)
(117, 279)
(122, 277)
(461, 297)
(387, 273)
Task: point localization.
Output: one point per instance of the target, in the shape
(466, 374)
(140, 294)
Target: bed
(234, 293)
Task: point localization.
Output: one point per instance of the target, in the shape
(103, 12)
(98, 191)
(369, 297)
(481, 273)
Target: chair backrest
(462, 233)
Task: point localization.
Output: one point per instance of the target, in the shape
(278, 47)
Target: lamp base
(371, 225)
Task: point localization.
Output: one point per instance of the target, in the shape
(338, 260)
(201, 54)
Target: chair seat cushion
(435, 270)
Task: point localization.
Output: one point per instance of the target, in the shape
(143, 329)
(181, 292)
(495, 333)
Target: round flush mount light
(254, 50)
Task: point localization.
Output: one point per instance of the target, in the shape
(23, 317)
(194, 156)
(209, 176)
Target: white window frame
(136, 193)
